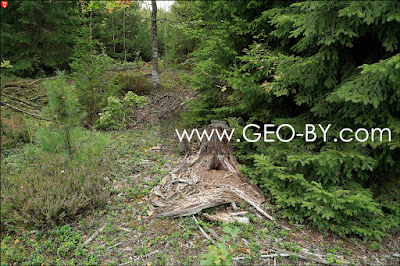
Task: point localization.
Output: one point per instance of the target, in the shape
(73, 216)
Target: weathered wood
(204, 179)
(219, 216)
(194, 203)
(95, 234)
(185, 148)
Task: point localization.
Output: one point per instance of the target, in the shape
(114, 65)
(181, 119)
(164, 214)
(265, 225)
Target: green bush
(63, 108)
(52, 192)
(116, 112)
(92, 85)
(51, 187)
(61, 173)
(130, 81)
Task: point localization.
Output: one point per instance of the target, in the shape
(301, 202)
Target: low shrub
(130, 81)
(15, 129)
(116, 112)
(52, 192)
(45, 184)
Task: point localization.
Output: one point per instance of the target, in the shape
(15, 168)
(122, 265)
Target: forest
(94, 95)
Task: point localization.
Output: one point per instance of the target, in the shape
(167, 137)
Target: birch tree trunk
(154, 74)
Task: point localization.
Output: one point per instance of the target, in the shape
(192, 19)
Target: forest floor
(141, 156)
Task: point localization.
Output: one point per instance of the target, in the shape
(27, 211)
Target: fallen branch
(125, 229)
(25, 112)
(215, 235)
(250, 201)
(238, 213)
(147, 255)
(140, 257)
(116, 245)
(202, 231)
(246, 242)
(37, 107)
(264, 256)
(95, 234)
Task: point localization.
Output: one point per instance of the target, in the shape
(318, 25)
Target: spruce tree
(38, 36)
(317, 62)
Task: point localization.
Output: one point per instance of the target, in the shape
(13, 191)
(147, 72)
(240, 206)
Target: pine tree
(63, 108)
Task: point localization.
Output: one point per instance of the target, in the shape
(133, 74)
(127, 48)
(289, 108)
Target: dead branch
(37, 107)
(22, 83)
(202, 231)
(147, 255)
(250, 201)
(90, 239)
(25, 112)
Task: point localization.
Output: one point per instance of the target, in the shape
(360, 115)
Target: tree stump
(204, 179)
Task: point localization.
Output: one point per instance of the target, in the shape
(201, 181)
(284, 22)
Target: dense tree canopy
(38, 36)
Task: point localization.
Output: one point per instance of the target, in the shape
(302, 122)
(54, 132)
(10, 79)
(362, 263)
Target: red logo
(4, 4)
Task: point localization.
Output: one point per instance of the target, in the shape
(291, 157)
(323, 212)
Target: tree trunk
(123, 28)
(154, 73)
(165, 43)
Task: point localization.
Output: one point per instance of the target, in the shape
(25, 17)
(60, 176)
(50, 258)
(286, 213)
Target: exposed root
(205, 179)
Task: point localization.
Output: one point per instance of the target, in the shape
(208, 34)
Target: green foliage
(115, 113)
(51, 192)
(375, 246)
(63, 107)
(218, 254)
(92, 85)
(43, 185)
(221, 39)
(313, 64)
(130, 81)
(6, 64)
(58, 176)
(181, 44)
(61, 242)
(108, 28)
(37, 36)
